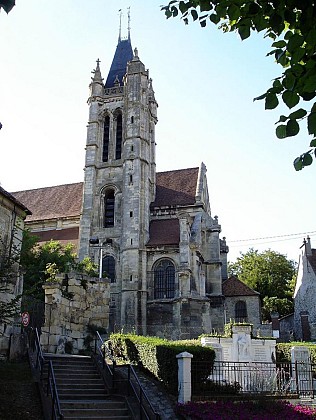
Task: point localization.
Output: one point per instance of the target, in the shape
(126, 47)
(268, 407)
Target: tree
(9, 275)
(272, 275)
(291, 24)
(41, 263)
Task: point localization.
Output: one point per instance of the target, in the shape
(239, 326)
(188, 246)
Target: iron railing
(52, 391)
(146, 410)
(51, 388)
(241, 378)
(115, 376)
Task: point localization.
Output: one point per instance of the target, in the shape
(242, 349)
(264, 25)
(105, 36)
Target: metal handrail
(150, 413)
(140, 396)
(52, 388)
(104, 353)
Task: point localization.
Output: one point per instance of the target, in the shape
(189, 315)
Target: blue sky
(204, 82)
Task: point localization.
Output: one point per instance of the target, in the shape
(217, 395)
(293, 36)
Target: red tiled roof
(176, 187)
(235, 287)
(64, 236)
(172, 188)
(312, 260)
(164, 232)
(52, 202)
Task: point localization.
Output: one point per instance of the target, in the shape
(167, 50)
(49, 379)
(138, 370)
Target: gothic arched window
(109, 203)
(106, 139)
(241, 311)
(108, 267)
(119, 133)
(164, 279)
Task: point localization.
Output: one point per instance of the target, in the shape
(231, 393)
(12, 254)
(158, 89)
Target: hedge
(158, 356)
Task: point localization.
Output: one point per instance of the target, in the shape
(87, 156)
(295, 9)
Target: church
(151, 233)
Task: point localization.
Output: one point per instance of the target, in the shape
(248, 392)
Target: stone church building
(152, 233)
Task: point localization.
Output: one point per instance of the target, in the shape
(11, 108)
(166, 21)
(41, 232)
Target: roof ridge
(51, 186)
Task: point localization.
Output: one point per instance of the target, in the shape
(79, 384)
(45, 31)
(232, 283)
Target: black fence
(242, 378)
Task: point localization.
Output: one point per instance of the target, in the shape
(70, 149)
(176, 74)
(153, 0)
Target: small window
(132, 120)
(106, 139)
(241, 311)
(164, 279)
(130, 214)
(131, 179)
(108, 268)
(109, 205)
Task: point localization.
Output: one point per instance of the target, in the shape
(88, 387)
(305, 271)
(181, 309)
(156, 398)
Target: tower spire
(120, 27)
(129, 23)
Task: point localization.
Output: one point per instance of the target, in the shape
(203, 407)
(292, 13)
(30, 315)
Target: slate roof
(123, 54)
(235, 287)
(164, 232)
(52, 202)
(312, 260)
(15, 200)
(176, 187)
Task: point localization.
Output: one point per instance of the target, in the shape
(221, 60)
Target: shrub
(158, 356)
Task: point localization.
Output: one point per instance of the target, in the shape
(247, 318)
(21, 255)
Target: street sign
(25, 319)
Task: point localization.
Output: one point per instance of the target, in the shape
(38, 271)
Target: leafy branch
(291, 24)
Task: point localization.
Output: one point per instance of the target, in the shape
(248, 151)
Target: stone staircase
(82, 392)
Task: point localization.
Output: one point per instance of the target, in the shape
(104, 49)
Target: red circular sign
(25, 319)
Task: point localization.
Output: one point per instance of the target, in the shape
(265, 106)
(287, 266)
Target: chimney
(308, 246)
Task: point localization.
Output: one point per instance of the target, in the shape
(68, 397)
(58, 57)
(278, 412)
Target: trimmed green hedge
(158, 356)
(283, 351)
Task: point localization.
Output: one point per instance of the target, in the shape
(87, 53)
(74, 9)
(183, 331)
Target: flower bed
(245, 410)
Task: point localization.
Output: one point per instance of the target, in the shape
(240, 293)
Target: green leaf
(233, 12)
(174, 11)
(310, 84)
(288, 35)
(290, 98)
(295, 42)
(311, 123)
(298, 164)
(281, 131)
(279, 44)
(289, 81)
(313, 143)
(292, 128)
(194, 14)
(307, 159)
(203, 23)
(300, 113)
(297, 55)
(271, 101)
(244, 32)
(214, 18)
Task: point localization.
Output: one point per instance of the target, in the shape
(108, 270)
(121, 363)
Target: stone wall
(73, 309)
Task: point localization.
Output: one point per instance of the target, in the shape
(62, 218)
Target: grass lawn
(19, 398)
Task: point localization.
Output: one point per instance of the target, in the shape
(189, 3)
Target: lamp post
(94, 242)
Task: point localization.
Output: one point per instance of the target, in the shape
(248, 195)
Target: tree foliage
(43, 262)
(9, 274)
(7, 5)
(272, 275)
(291, 25)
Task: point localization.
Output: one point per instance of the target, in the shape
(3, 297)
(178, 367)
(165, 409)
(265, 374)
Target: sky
(204, 83)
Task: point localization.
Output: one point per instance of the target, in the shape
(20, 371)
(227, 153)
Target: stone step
(76, 375)
(82, 397)
(110, 409)
(89, 412)
(78, 387)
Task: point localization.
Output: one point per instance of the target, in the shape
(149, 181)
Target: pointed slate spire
(122, 56)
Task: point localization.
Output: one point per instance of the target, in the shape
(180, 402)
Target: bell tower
(119, 182)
